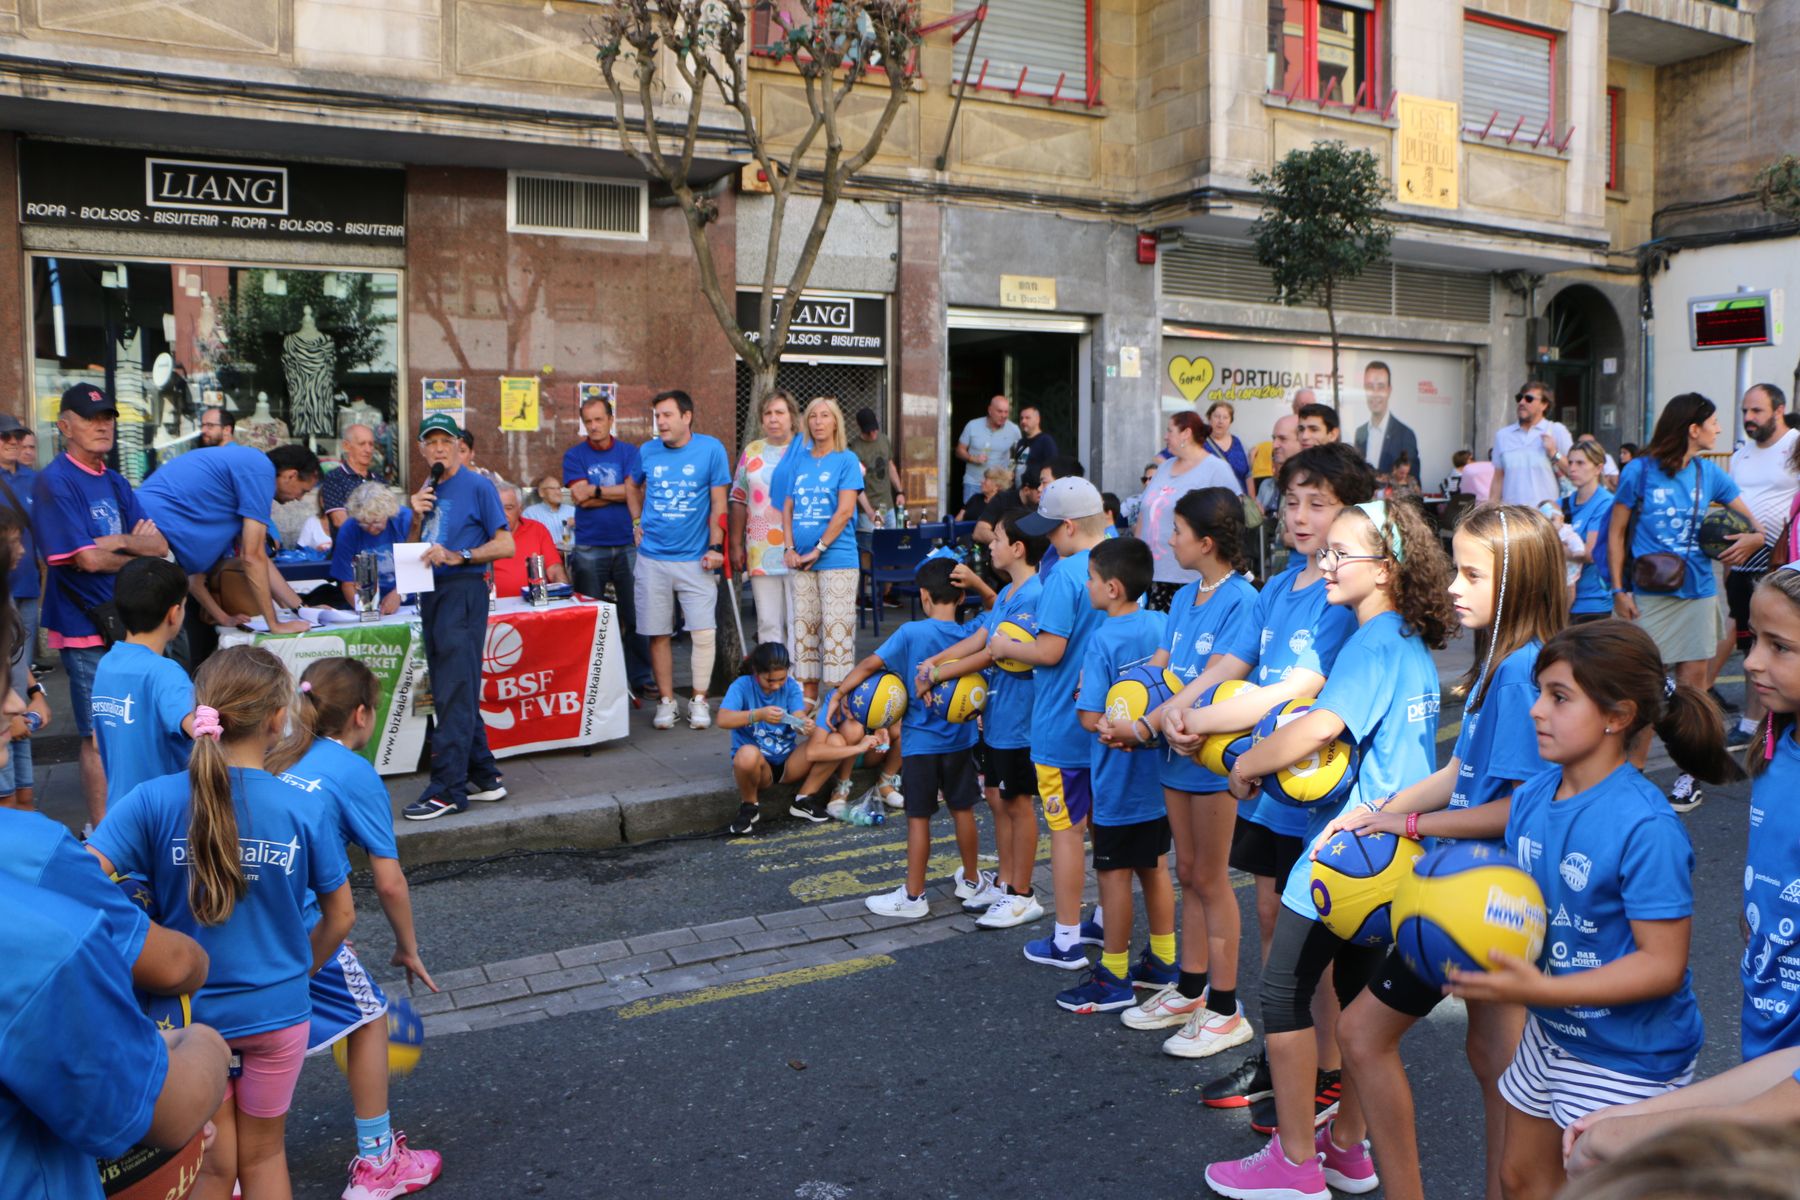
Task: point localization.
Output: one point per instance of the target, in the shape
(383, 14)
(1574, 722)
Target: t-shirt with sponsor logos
(775, 739)
(1604, 858)
(1127, 784)
(1496, 746)
(140, 700)
(348, 791)
(1197, 631)
(73, 507)
(1771, 964)
(1669, 511)
(1294, 628)
(604, 524)
(678, 497)
(261, 955)
(1006, 720)
(814, 486)
(1384, 686)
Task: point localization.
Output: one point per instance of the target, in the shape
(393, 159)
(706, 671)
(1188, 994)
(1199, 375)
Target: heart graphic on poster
(1192, 376)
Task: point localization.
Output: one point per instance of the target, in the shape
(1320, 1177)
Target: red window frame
(1549, 36)
(1309, 65)
(1615, 152)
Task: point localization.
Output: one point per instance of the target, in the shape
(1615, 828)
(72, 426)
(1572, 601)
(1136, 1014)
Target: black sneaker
(430, 809)
(1247, 1083)
(1738, 738)
(1325, 1104)
(1686, 795)
(1725, 706)
(809, 808)
(745, 821)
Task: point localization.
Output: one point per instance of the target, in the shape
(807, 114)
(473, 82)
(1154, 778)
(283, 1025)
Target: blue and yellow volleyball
(958, 701)
(1461, 902)
(878, 701)
(406, 1039)
(1354, 880)
(1140, 691)
(1024, 629)
(1323, 778)
(1220, 751)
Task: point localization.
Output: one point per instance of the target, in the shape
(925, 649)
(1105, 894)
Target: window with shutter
(1036, 48)
(1509, 77)
(1615, 132)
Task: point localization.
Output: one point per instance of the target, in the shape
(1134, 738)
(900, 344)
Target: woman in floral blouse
(758, 545)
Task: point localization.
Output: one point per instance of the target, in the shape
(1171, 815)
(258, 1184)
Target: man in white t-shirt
(1762, 467)
(986, 441)
(1528, 454)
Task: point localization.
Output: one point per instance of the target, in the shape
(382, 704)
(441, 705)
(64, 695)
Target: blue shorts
(1067, 793)
(81, 663)
(344, 999)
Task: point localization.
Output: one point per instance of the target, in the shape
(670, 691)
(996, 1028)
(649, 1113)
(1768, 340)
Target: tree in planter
(1323, 222)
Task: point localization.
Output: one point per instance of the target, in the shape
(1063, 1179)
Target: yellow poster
(519, 405)
(1028, 291)
(1425, 154)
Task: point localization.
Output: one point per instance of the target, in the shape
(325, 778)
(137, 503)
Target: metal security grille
(572, 206)
(856, 388)
(1199, 269)
(1034, 46)
(1507, 78)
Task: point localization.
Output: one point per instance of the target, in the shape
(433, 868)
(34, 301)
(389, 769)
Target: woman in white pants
(818, 506)
(758, 539)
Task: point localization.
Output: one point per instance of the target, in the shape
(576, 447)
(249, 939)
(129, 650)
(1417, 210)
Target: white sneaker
(889, 789)
(1165, 1008)
(699, 715)
(665, 713)
(841, 790)
(967, 889)
(1009, 911)
(985, 897)
(1207, 1032)
(838, 809)
(898, 904)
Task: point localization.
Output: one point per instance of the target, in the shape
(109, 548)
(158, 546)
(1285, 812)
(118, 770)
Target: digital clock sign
(1732, 322)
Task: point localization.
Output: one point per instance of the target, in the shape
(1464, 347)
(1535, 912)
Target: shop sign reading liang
(215, 186)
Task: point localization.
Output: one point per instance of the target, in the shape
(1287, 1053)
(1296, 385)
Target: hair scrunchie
(206, 723)
(305, 686)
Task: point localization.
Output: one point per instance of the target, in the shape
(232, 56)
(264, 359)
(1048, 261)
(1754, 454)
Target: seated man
(529, 537)
(375, 521)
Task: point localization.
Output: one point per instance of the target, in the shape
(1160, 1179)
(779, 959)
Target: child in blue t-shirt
(1131, 824)
(773, 740)
(936, 755)
(1009, 777)
(1612, 1015)
(336, 715)
(143, 702)
(230, 852)
(1383, 563)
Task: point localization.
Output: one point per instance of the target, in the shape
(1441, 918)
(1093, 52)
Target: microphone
(437, 474)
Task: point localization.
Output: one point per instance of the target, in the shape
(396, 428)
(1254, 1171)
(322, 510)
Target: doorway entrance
(1028, 367)
(1582, 334)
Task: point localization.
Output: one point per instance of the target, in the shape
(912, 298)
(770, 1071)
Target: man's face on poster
(1378, 384)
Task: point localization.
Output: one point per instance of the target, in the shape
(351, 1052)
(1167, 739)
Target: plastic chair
(894, 558)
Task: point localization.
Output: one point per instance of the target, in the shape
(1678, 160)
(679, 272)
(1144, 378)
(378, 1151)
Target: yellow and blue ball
(1459, 903)
(1354, 880)
(878, 701)
(1220, 751)
(1323, 778)
(1140, 691)
(1024, 629)
(958, 701)
(406, 1039)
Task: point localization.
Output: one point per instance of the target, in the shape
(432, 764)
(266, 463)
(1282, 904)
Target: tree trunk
(731, 648)
(1331, 319)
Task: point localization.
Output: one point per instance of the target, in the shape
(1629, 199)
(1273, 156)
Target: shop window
(1325, 51)
(1615, 133)
(296, 354)
(1509, 79)
(575, 206)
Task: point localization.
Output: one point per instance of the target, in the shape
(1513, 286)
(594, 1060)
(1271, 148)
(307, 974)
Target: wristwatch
(36, 689)
(468, 556)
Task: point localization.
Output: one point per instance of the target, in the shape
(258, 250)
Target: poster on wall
(446, 396)
(585, 392)
(519, 404)
(1422, 398)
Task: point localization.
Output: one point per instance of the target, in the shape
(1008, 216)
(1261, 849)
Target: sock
(1192, 984)
(1013, 891)
(1163, 946)
(1067, 935)
(1222, 1001)
(1099, 917)
(374, 1137)
(1118, 963)
(704, 646)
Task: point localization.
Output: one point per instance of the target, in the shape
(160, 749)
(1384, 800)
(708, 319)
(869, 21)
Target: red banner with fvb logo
(552, 677)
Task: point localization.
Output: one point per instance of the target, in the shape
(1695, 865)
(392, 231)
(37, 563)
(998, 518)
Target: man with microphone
(459, 514)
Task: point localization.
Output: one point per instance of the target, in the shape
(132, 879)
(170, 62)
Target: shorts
(1548, 1082)
(1134, 847)
(1067, 793)
(271, 1068)
(1259, 850)
(1011, 771)
(1398, 988)
(1738, 586)
(1299, 952)
(1161, 596)
(923, 776)
(344, 999)
(1683, 630)
(658, 584)
(81, 663)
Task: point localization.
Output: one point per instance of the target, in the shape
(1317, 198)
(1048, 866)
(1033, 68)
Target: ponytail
(237, 692)
(1693, 729)
(1217, 513)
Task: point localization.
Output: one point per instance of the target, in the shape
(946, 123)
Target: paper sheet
(410, 572)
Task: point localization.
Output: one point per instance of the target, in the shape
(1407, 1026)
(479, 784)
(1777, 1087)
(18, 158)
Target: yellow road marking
(753, 987)
(780, 843)
(885, 875)
(869, 850)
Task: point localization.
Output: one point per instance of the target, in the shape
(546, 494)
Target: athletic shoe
(987, 897)
(967, 888)
(1325, 1105)
(1044, 950)
(495, 792)
(1099, 991)
(699, 715)
(888, 788)
(1207, 1033)
(1092, 933)
(1349, 1170)
(1151, 972)
(401, 1173)
(1686, 795)
(1008, 911)
(1165, 1008)
(1725, 706)
(430, 808)
(1738, 738)
(898, 904)
(1268, 1175)
(838, 809)
(665, 714)
(747, 817)
(1247, 1083)
(809, 808)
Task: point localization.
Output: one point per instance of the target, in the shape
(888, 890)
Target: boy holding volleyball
(936, 754)
(1131, 825)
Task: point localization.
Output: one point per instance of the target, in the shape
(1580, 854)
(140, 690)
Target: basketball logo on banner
(503, 648)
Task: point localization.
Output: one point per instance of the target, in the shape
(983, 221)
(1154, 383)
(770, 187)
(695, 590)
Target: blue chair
(894, 558)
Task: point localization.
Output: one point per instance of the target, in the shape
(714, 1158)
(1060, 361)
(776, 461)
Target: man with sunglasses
(1529, 454)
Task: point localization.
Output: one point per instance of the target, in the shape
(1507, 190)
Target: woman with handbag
(1664, 581)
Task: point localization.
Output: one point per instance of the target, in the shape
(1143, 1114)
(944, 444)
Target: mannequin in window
(262, 428)
(307, 358)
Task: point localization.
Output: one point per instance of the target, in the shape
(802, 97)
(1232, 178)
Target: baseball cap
(1067, 499)
(86, 400)
(439, 423)
(9, 426)
(867, 421)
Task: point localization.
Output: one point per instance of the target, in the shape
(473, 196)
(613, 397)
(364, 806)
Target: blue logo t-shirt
(350, 796)
(72, 508)
(201, 500)
(1496, 745)
(1127, 784)
(140, 700)
(813, 486)
(1006, 721)
(1196, 633)
(353, 539)
(1593, 589)
(1771, 963)
(608, 524)
(678, 497)
(466, 515)
(775, 740)
(41, 853)
(924, 731)
(1669, 517)
(1057, 738)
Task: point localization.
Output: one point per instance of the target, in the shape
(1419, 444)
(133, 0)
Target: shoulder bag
(104, 616)
(1663, 573)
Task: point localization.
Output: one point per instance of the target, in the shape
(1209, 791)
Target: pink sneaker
(401, 1173)
(1268, 1175)
(1349, 1170)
